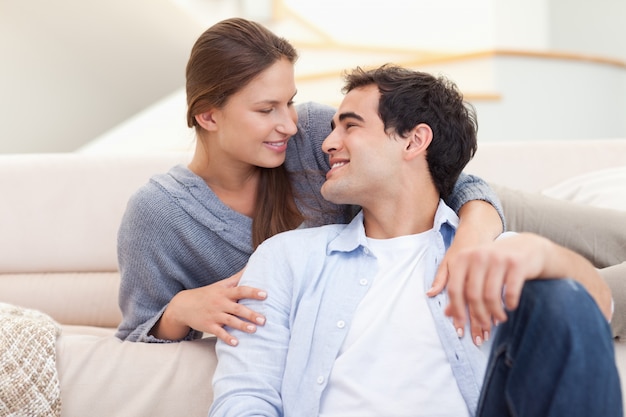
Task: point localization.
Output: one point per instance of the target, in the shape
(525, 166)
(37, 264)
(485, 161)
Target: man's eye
(266, 111)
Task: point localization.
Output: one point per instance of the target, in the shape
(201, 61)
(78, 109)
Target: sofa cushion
(103, 376)
(603, 188)
(534, 165)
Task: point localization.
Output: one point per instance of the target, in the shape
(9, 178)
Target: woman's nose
(289, 124)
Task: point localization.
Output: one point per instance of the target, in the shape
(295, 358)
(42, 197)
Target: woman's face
(256, 123)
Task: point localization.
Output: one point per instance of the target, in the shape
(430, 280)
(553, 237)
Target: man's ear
(418, 140)
(207, 120)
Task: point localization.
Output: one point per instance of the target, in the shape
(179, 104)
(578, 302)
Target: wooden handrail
(470, 56)
(416, 57)
(557, 55)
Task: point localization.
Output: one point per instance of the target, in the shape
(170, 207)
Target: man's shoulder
(305, 238)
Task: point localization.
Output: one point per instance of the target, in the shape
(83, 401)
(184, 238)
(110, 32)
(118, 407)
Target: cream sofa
(59, 215)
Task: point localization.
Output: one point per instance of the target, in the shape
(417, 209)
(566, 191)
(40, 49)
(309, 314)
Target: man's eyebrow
(346, 115)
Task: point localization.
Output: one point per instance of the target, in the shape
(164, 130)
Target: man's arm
(248, 377)
(481, 277)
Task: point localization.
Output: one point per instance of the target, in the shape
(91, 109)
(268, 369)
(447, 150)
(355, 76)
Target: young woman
(256, 171)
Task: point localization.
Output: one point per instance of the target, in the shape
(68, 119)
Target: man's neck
(408, 217)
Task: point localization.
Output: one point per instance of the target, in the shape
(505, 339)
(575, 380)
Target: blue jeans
(554, 356)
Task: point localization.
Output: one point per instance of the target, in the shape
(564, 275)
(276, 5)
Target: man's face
(364, 159)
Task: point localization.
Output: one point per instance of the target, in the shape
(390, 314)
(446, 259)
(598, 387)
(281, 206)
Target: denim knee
(561, 304)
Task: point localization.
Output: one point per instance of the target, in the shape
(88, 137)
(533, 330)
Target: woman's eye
(266, 111)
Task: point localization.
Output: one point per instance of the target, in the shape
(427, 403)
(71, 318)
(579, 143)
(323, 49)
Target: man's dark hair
(408, 98)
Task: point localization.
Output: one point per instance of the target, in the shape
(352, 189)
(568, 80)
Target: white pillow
(605, 188)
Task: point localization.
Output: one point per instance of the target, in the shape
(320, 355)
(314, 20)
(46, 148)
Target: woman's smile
(280, 146)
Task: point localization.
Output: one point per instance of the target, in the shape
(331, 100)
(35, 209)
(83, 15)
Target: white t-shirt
(392, 362)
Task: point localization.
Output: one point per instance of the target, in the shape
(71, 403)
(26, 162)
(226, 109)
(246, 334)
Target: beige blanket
(29, 384)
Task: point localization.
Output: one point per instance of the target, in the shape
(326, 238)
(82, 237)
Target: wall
(72, 70)
(589, 27)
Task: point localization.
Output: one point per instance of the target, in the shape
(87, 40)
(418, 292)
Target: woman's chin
(271, 163)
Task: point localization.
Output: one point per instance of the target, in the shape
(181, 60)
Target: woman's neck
(235, 184)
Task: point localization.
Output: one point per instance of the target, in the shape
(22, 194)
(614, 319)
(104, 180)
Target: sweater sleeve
(148, 271)
(471, 187)
(314, 121)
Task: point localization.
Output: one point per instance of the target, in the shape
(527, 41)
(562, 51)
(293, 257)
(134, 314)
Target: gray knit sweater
(176, 234)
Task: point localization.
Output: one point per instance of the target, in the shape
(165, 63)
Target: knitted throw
(29, 384)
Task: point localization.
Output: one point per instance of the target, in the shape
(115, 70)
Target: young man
(353, 327)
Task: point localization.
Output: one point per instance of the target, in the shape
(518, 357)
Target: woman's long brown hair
(224, 59)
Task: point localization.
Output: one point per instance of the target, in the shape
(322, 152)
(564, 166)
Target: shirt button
(320, 379)
(363, 281)
(341, 324)
(366, 251)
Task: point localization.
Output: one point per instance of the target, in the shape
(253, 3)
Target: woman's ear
(418, 140)
(206, 120)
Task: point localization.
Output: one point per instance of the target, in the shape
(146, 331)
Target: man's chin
(334, 196)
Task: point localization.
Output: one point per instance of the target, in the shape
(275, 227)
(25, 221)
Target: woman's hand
(208, 309)
(480, 331)
(489, 278)
(485, 279)
(479, 224)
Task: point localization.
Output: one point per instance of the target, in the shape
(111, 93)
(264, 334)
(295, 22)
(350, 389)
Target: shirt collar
(353, 236)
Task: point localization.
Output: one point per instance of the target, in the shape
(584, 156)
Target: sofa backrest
(61, 212)
(537, 165)
(59, 216)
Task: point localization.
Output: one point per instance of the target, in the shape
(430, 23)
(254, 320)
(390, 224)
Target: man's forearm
(567, 263)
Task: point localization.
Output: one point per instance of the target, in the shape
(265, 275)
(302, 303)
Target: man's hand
(482, 277)
(489, 278)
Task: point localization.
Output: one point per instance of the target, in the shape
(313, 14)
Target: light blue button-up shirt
(315, 278)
